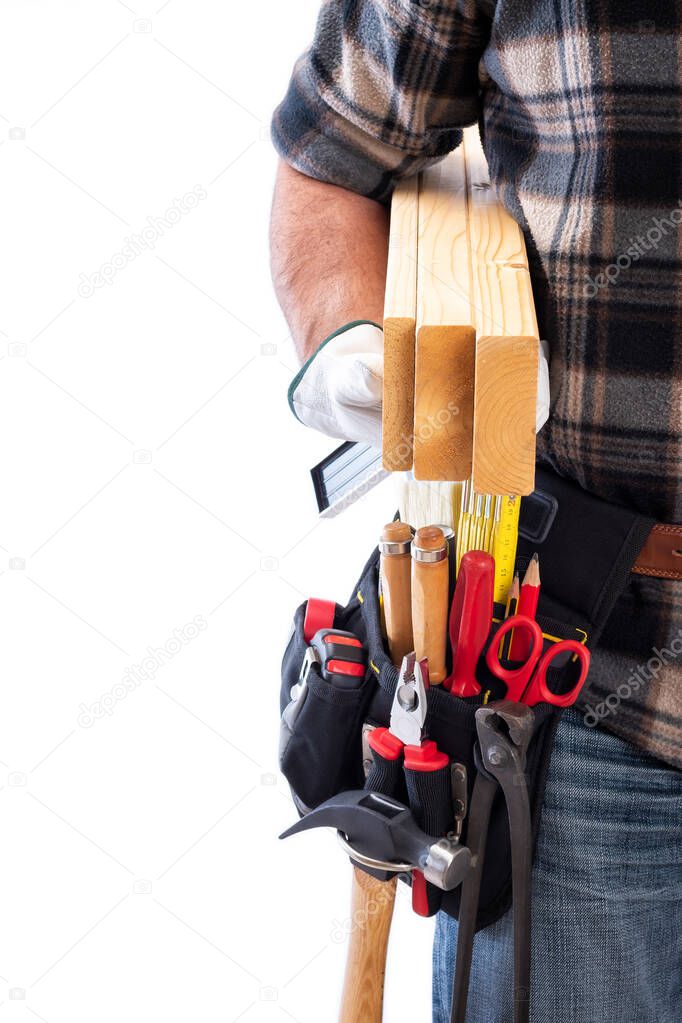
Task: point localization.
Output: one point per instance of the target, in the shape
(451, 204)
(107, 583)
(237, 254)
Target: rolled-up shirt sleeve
(383, 91)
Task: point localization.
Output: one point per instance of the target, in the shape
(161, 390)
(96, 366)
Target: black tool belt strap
(587, 549)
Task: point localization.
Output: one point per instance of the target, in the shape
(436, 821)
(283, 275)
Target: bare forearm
(328, 256)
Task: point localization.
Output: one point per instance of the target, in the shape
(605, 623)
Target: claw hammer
(372, 900)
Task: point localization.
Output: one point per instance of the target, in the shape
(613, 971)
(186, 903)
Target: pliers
(412, 769)
(504, 731)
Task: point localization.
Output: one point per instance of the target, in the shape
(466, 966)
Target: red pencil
(528, 605)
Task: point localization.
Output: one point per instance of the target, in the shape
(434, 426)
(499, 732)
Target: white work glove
(542, 407)
(338, 391)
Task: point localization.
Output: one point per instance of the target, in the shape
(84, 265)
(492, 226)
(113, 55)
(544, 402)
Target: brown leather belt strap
(661, 555)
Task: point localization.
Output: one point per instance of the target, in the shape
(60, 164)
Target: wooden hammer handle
(371, 915)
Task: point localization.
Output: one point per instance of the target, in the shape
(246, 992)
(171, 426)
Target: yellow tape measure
(505, 535)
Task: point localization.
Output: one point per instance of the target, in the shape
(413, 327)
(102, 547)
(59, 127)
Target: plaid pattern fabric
(580, 103)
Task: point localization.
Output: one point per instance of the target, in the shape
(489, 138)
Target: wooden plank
(444, 366)
(501, 291)
(400, 312)
(504, 415)
(401, 272)
(507, 331)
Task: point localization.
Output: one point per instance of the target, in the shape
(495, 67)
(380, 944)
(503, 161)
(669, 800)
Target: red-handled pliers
(413, 769)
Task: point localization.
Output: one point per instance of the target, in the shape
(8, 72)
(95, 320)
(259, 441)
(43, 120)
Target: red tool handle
(516, 679)
(425, 758)
(539, 692)
(470, 618)
(319, 614)
(341, 656)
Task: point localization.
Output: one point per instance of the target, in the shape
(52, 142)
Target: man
(580, 104)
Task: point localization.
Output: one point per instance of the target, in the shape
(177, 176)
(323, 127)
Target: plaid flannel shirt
(581, 108)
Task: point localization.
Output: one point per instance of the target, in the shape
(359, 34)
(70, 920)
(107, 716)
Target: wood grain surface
(504, 415)
(444, 365)
(430, 603)
(507, 338)
(400, 312)
(395, 571)
(501, 291)
(371, 914)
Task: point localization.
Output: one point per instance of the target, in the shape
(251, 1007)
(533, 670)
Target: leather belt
(661, 555)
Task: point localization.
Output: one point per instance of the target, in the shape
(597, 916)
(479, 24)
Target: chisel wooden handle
(430, 583)
(396, 588)
(371, 915)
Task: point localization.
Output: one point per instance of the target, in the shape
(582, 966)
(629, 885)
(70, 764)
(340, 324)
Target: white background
(151, 473)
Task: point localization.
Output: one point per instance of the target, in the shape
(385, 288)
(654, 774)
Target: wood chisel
(430, 582)
(395, 569)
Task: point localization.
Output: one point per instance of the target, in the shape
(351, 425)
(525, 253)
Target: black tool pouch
(587, 548)
(320, 750)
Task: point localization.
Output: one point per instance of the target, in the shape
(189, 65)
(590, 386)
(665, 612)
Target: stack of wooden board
(460, 332)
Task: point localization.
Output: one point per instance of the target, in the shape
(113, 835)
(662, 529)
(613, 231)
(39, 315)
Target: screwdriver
(470, 617)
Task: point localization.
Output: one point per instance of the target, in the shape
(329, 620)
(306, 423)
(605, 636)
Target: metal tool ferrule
(391, 547)
(429, 557)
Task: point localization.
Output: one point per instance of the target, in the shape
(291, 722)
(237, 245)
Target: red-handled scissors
(528, 683)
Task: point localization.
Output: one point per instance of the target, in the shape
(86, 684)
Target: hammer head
(381, 829)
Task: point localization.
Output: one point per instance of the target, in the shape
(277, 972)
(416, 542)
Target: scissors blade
(408, 711)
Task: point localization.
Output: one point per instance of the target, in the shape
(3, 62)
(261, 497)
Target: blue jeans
(607, 896)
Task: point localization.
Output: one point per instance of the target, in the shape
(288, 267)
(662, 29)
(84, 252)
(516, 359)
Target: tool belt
(588, 548)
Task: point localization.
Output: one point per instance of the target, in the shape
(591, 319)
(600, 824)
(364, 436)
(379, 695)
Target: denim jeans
(607, 896)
